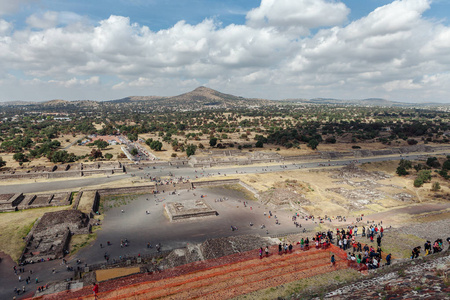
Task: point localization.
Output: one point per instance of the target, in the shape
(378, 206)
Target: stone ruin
(13, 202)
(188, 210)
(63, 171)
(233, 157)
(214, 248)
(50, 237)
(9, 202)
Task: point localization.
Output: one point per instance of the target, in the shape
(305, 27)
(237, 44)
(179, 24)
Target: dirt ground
(348, 191)
(236, 138)
(103, 275)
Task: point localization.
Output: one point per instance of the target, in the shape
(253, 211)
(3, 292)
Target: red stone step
(198, 278)
(201, 280)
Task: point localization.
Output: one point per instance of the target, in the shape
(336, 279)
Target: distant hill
(369, 102)
(206, 98)
(364, 102)
(200, 97)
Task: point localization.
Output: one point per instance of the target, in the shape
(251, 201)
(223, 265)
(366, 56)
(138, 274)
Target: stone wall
(11, 200)
(147, 189)
(215, 182)
(64, 171)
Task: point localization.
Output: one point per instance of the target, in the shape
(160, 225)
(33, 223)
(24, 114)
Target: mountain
(364, 102)
(206, 98)
(201, 97)
(209, 97)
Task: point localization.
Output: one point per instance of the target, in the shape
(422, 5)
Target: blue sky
(276, 49)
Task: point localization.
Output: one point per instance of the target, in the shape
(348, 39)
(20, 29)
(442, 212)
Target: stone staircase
(234, 278)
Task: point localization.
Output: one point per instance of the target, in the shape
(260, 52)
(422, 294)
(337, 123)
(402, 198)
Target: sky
(273, 49)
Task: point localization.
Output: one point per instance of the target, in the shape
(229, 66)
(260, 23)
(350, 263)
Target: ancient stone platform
(189, 209)
(50, 237)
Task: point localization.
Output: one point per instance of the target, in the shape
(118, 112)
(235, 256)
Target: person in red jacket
(95, 290)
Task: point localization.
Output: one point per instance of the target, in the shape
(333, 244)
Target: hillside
(201, 97)
(207, 98)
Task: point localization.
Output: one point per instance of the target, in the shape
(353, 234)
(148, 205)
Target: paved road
(189, 172)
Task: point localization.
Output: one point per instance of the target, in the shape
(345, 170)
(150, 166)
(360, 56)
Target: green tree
(134, 151)
(436, 186)
(259, 144)
(313, 143)
(132, 137)
(418, 182)
(2, 162)
(401, 171)
(425, 175)
(101, 144)
(62, 157)
(156, 145)
(96, 153)
(446, 165)
(190, 149)
(108, 156)
(330, 140)
(20, 157)
(405, 164)
(213, 141)
(433, 162)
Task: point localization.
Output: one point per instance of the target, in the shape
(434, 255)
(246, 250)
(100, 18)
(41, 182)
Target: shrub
(435, 187)
(418, 182)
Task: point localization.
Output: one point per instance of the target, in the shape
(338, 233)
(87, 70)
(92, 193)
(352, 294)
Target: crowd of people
(429, 248)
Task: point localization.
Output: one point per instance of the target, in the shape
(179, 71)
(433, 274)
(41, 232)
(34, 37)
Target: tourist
(415, 252)
(333, 261)
(260, 252)
(267, 251)
(388, 259)
(95, 290)
(280, 248)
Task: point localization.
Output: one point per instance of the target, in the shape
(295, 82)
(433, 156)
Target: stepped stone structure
(188, 210)
(219, 278)
(50, 237)
(12, 202)
(64, 170)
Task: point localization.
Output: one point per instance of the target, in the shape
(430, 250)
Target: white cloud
(299, 15)
(10, 6)
(46, 20)
(95, 80)
(401, 84)
(5, 27)
(393, 49)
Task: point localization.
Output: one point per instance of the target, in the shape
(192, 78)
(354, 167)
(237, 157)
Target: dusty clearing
(103, 275)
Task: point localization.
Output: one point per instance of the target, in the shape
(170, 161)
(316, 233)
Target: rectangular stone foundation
(188, 209)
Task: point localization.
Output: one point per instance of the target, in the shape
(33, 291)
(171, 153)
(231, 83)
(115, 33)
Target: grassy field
(80, 241)
(86, 201)
(314, 285)
(110, 201)
(14, 226)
